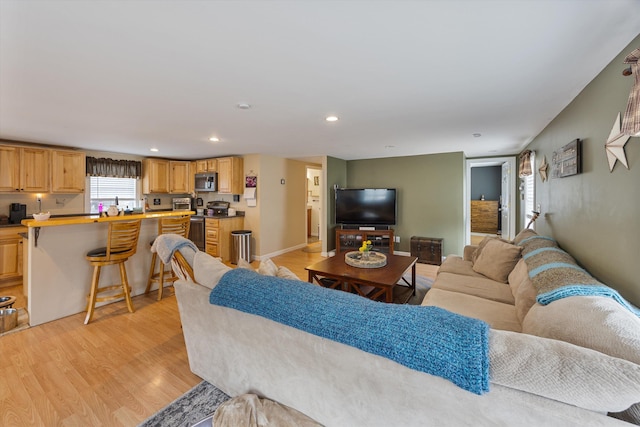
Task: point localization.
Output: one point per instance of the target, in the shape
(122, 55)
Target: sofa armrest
(468, 252)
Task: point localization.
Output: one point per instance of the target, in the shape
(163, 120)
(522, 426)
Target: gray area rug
(423, 284)
(190, 408)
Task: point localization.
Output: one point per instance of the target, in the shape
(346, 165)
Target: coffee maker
(17, 212)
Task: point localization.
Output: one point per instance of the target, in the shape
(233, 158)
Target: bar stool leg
(154, 258)
(161, 281)
(125, 287)
(91, 303)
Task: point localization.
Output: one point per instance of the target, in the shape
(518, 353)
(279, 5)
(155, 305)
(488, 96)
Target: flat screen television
(366, 206)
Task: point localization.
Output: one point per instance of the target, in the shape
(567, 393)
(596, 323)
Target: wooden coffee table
(368, 282)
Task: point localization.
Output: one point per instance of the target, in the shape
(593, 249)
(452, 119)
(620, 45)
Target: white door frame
(493, 161)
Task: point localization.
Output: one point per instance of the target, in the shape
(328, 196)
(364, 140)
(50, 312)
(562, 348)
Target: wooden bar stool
(170, 225)
(122, 242)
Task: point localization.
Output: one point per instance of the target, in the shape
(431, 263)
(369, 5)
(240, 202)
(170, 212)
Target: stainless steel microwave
(206, 182)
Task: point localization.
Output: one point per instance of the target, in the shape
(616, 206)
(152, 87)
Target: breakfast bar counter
(58, 276)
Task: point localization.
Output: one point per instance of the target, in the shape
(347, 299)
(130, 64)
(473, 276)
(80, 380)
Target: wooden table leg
(413, 278)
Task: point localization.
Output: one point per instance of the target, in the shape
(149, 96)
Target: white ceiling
(405, 77)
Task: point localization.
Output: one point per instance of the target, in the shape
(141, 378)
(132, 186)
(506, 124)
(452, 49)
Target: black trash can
(240, 246)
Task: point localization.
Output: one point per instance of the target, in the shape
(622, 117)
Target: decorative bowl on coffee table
(375, 259)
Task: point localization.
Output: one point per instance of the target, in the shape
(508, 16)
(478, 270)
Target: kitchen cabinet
(230, 175)
(218, 235)
(24, 169)
(11, 255)
(155, 176)
(206, 165)
(192, 177)
(179, 177)
(68, 171)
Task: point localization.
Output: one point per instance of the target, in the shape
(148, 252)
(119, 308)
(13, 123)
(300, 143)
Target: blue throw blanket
(427, 339)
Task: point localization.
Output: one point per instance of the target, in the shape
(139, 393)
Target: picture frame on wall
(567, 161)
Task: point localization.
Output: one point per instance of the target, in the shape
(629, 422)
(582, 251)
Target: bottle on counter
(100, 207)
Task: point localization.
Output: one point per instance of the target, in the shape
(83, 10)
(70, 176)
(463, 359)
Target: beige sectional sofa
(568, 363)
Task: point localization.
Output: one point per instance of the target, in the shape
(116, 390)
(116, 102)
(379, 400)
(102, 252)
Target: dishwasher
(196, 231)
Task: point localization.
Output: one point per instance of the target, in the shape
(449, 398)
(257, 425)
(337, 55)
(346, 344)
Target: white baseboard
(276, 253)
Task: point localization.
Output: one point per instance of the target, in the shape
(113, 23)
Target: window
(105, 190)
(530, 194)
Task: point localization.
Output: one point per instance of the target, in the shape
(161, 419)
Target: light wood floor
(117, 371)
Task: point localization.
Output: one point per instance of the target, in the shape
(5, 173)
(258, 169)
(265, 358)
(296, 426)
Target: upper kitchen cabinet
(179, 177)
(24, 169)
(68, 171)
(155, 176)
(206, 165)
(230, 175)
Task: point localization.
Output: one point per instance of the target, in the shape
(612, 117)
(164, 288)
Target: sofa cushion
(522, 289)
(497, 260)
(455, 264)
(599, 323)
(498, 315)
(477, 286)
(208, 270)
(562, 371)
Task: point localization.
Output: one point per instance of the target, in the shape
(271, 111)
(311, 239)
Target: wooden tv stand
(351, 240)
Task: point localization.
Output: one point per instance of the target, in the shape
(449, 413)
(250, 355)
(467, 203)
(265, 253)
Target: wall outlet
(156, 202)
(396, 239)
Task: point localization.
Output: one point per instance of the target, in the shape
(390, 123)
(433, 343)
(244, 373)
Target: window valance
(525, 164)
(114, 168)
(631, 120)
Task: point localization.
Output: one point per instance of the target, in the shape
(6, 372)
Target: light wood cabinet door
(34, 170)
(212, 165)
(24, 169)
(192, 177)
(68, 171)
(201, 166)
(230, 170)
(179, 177)
(11, 256)
(9, 169)
(155, 176)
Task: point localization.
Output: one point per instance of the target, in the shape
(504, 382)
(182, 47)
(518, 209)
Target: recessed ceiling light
(477, 135)
(214, 139)
(331, 118)
(243, 106)
(155, 150)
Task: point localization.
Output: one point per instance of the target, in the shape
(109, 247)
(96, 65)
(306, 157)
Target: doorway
(492, 211)
(314, 204)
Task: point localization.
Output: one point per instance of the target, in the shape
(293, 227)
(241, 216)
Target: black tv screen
(366, 206)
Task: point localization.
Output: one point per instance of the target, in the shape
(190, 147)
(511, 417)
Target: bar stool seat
(169, 225)
(122, 242)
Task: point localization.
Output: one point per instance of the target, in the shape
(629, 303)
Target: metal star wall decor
(544, 166)
(614, 146)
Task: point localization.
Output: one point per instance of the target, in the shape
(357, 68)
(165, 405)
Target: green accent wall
(430, 195)
(595, 215)
(336, 175)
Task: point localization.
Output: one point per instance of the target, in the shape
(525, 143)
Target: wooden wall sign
(567, 161)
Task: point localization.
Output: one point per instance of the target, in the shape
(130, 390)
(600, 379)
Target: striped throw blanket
(427, 339)
(555, 274)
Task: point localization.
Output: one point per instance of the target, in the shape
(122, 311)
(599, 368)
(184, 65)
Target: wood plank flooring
(117, 371)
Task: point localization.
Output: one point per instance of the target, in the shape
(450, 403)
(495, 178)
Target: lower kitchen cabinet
(218, 235)
(11, 256)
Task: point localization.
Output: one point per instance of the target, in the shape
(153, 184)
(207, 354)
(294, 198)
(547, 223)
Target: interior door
(505, 214)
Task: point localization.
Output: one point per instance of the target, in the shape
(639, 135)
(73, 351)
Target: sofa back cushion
(561, 371)
(523, 234)
(497, 260)
(599, 323)
(208, 270)
(522, 289)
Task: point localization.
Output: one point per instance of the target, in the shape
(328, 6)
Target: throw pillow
(285, 273)
(564, 372)
(482, 244)
(267, 268)
(242, 263)
(497, 260)
(208, 270)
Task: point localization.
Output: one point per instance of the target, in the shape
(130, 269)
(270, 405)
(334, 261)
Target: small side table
(427, 249)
